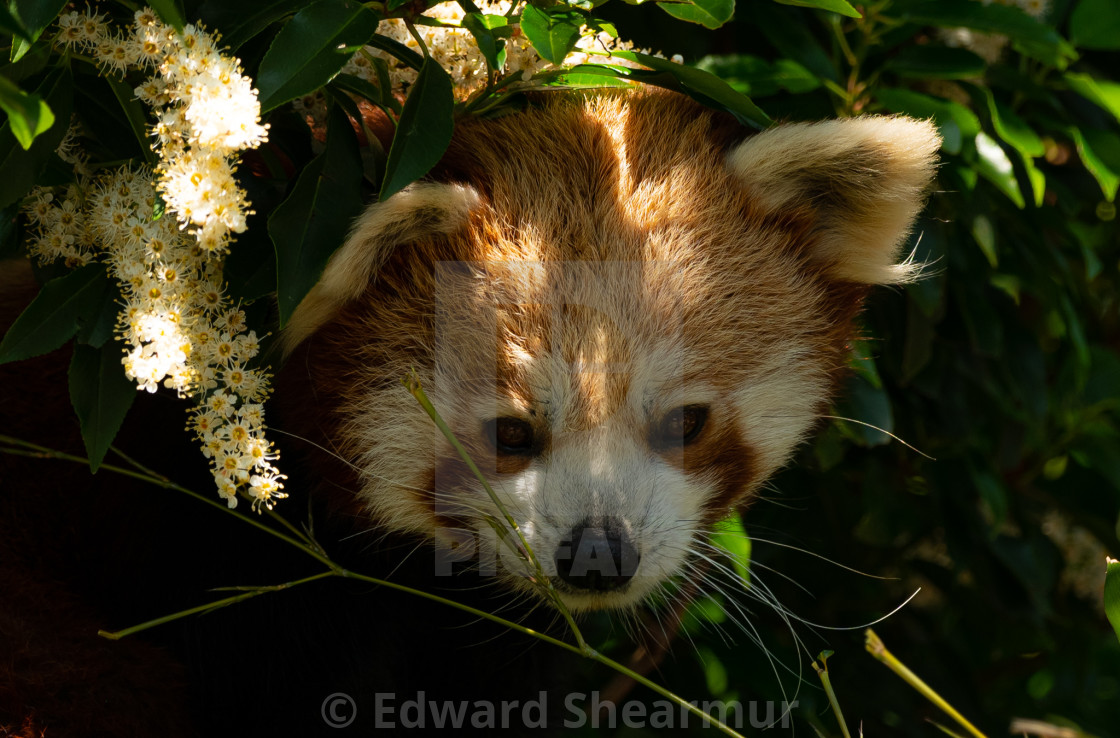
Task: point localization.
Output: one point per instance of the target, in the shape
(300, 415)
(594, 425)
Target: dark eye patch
(511, 436)
(680, 427)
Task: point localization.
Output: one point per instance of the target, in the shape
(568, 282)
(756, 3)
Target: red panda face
(627, 313)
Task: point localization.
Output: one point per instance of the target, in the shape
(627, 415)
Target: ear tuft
(863, 179)
(420, 210)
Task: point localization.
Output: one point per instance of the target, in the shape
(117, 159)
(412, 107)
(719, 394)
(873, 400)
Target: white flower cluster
(456, 50)
(181, 329)
(990, 46)
(207, 111)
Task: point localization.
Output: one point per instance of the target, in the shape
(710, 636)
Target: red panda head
(629, 313)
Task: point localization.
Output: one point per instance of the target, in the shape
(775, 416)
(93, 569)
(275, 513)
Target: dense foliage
(999, 370)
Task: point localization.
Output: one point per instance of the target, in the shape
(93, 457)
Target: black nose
(597, 557)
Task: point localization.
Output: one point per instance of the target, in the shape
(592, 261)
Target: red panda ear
(864, 180)
(420, 210)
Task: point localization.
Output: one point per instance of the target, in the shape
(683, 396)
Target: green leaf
(836, 6)
(708, 13)
(134, 113)
(489, 32)
(18, 166)
(60, 309)
(36, 16)
(1095, 24)
(984, 233)
(423, 132)
(786, 30)
(1100, 153)
(757, 77)
(100, 322)
(1036, 38)
(1102, 92)
(313, 221)
(169, 12)
(240, 23)
(11, 25)
(729, 536)
(701, 86)
(1037, 180)
(358, 86)
(1013, 129)
(311, 48)
(398, 50)
(28, 115)
(870, 408)
(993, 165)
(936, 62)
(1112, 593)
(101, 395)
(586, 76)
(552, 32)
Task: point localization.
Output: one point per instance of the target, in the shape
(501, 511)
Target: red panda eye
(510, 435)
(681, 426)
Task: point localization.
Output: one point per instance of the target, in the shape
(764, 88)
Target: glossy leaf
(240, 23)
(698, 84)
(994, 165)
(1100, 152)
(423, 132)
(1102, 92)
(35, 16)
(101, 395)
(1112, 594)
(836, 6)
(553, 32)
(936, 62)
(730, 536)
(311, 48)
(398, 50)
(1013, 129)
(60, 309)
(984, 233)
(783, 28)
(10, 24)
(28, 115)
(757, 77)
(1095, 24)
(313, 221)
(19, 167)
(169, 12)
(708, 13)
(587, 76)
(489, 32)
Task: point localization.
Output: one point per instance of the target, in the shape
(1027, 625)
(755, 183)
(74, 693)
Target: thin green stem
(423, 46)
(606, 661)
(876, 648)
(412, 383)
(142, 473)
(116, 635)
(822, 672)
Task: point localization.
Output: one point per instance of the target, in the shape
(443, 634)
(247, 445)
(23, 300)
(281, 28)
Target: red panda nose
(597, 557)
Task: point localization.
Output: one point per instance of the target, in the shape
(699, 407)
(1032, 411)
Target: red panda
(626, 308)
(627, 312)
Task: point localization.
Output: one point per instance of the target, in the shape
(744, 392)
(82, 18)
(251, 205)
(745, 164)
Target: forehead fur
(596, 254)
(640, 180)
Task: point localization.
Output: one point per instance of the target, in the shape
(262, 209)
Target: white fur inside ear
(419, 210)
(864, 179)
